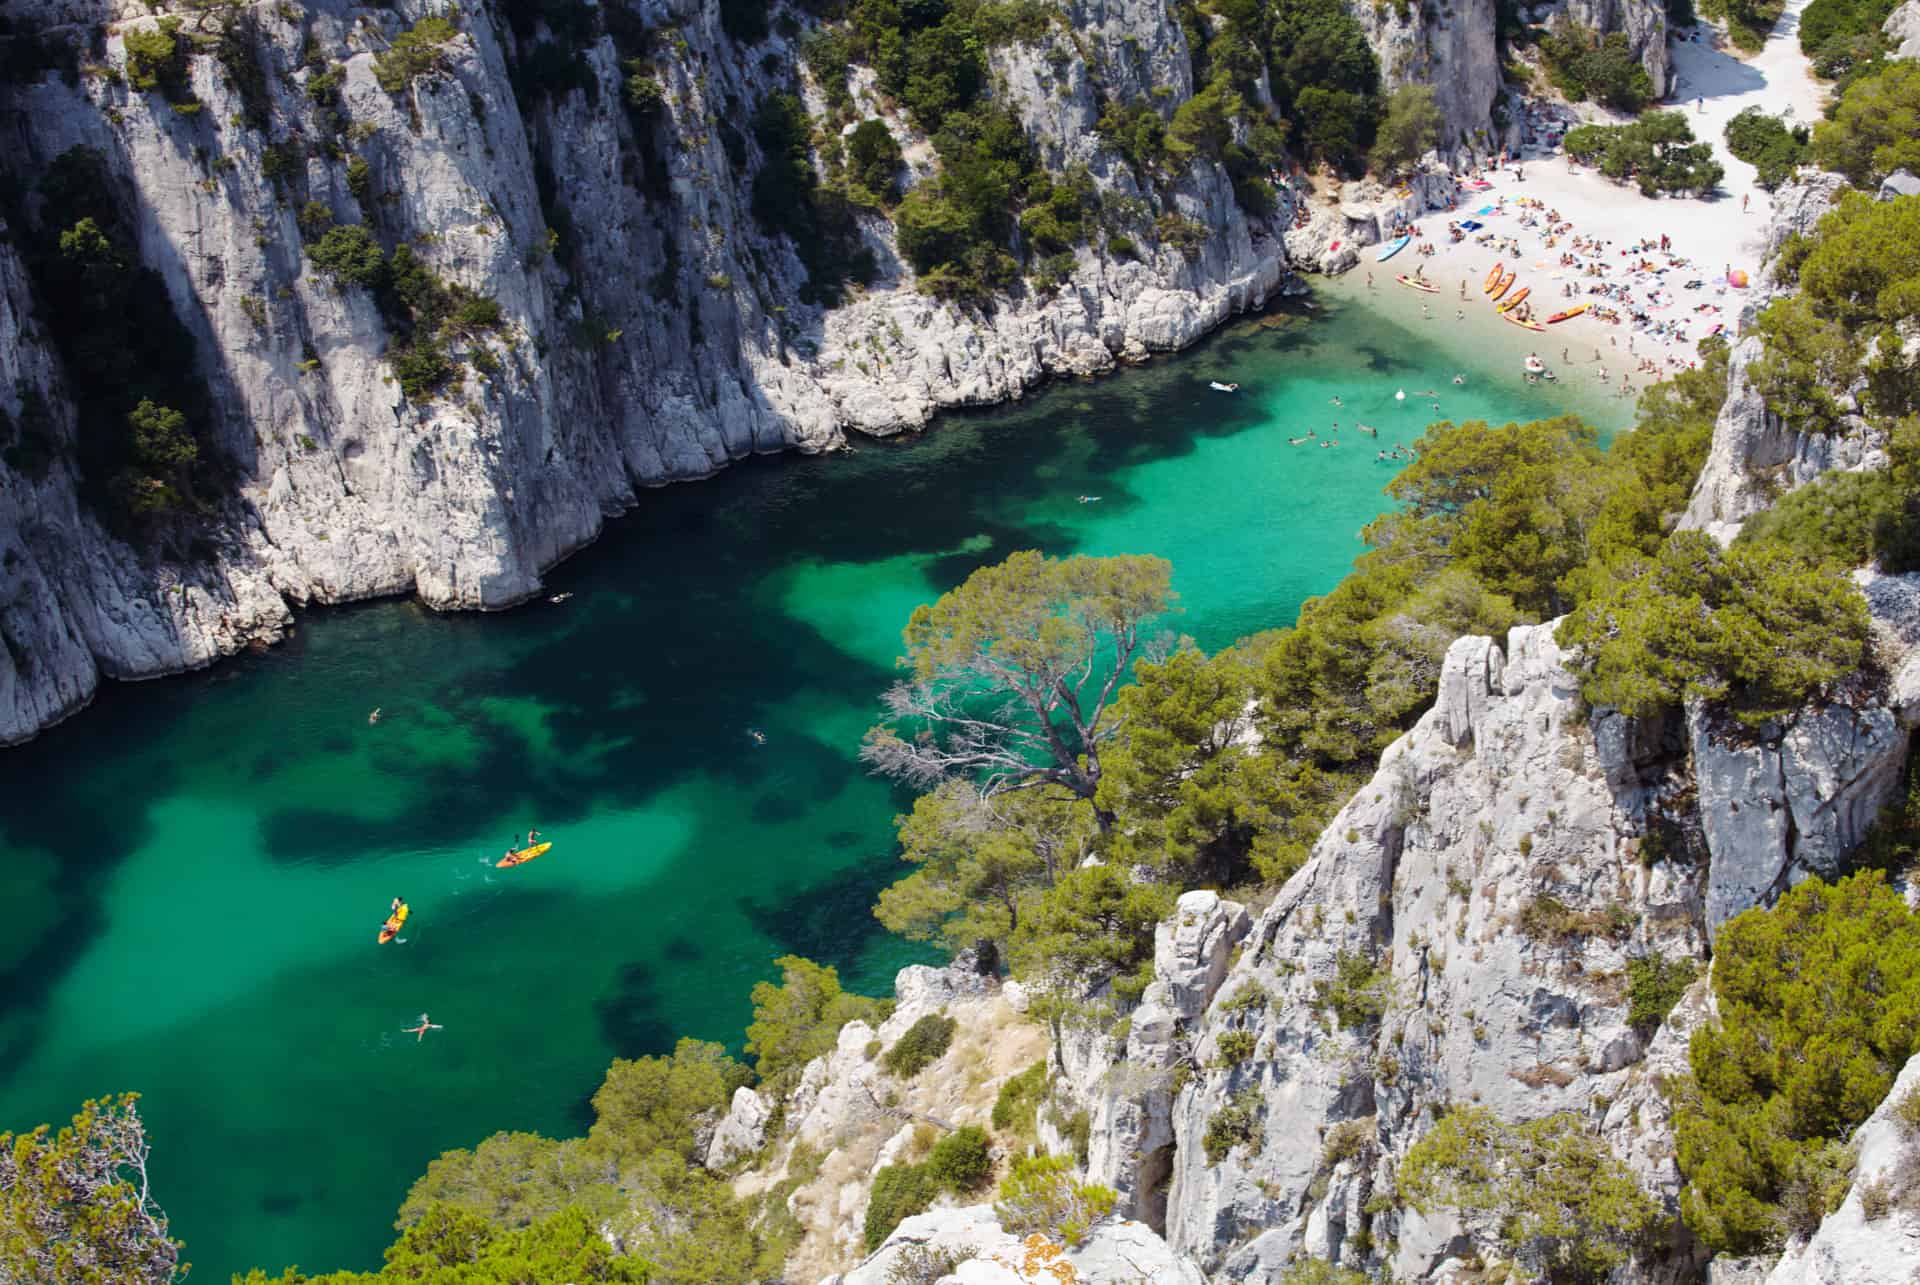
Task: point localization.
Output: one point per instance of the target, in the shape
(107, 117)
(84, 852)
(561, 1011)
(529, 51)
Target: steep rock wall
(664, 340)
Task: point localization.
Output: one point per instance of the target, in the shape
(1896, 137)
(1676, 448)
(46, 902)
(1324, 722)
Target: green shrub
(1410, 126)
(1654, 985)
(874, 157)
(414, 53)
(1748, 21)
(788, 198)
(800, 1019)
(1582, 63)
(1818, 1001)
(1657, 152)
(899, 1192)
(1564, 1206)
(1016, 1109)
(350, 256)
(1761, 631)
(1236, 1124)
(1875, 127)
(1040, 1194)
(1547, 918)
(1348, 1139)
(1824, 21)
(1234, 1047)
(157, 59)
(1358, 993)
(1766, 143)
(962, 1160)
(923, 1044)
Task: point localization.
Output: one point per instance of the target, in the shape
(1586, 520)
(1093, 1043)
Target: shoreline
(1482, 331)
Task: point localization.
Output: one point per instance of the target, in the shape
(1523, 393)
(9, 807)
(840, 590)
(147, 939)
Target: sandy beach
(1552, 211)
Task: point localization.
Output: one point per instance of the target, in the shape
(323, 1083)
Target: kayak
(391, 929)
(1513, 300)
(1493, 279)
(1569, 312)
(1524, 325)
(521, 857)
(1506, 283)
(1415, 284)
(1392, 248)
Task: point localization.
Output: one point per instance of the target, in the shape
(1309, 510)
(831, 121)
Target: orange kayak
(1493, 279)
(1570, 312)
(1524, 325)
(1506, 284)
(521, 857)
(391, 929)
(1513, 300)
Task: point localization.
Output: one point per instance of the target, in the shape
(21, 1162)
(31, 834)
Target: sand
(1708, 237)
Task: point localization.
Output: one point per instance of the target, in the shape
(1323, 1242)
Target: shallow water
(198, 866)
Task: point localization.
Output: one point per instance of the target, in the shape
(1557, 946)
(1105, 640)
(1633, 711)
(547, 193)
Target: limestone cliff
(651, 330)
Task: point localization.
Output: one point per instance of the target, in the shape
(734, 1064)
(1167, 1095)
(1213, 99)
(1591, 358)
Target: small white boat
(1400, 396)
(1219, 387)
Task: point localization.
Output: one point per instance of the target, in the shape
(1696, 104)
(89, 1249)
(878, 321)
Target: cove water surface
(196, 868)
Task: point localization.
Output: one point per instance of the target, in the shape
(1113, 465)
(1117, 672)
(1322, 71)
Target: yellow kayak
(391, 929)
(521, 857)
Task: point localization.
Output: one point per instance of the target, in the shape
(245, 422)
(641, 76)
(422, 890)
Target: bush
(413, 53)
(1040, 1194)
(1657, 152)
(1582, 63)
(1546, 918)
(1766, 143)
(1357, 994)
(350, 256)
(1410, 127)
(1748, 21)
(1016, 1109)
(1824, 21)
(800, 1019)
(1236, 1124)
(157, 59)
(1348, 1139)
(1560, 1202)
(788, 198)
(899, 1192)
(1654, 985)
(1817, 1000)
(874, 159)
(1761, 631)
(1875, 127)
(962, 1160)
(1234, 1047)
(923, 1044)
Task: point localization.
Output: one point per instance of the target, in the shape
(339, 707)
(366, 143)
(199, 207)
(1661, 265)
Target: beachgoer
(399, 904)
(420, 1032)
(1744, 198)
(532, 837)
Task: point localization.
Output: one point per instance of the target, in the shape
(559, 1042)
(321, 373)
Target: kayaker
(399, 905)
(532, 837)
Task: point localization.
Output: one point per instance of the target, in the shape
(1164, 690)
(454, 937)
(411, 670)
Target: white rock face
(742, 1131)
(1903, 29)
(1115, 1252)
(1851, 1247)
(1501, 795)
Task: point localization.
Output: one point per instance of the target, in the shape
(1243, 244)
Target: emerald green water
(197, 867)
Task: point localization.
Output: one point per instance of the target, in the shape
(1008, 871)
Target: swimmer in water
(1459, 379)
(420, 1032)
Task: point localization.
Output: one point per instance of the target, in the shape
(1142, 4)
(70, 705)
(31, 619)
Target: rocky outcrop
(1903, 29)
(1461, 933)
(1642, 22)
(977, 1251)
(741, 1131)
(1782, 803)
(1450, 49)
(848, 1116)
(1756, 455)
(1874, 1237)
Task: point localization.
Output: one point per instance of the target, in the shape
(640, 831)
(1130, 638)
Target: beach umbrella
(1737, 278)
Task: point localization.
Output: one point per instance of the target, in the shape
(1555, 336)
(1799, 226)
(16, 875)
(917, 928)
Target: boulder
(742, 1131)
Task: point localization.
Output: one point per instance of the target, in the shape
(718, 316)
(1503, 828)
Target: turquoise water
(198, 866)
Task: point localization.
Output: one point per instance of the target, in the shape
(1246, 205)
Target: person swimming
(420, 1032)
(1089, 499)
(1459, 379)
